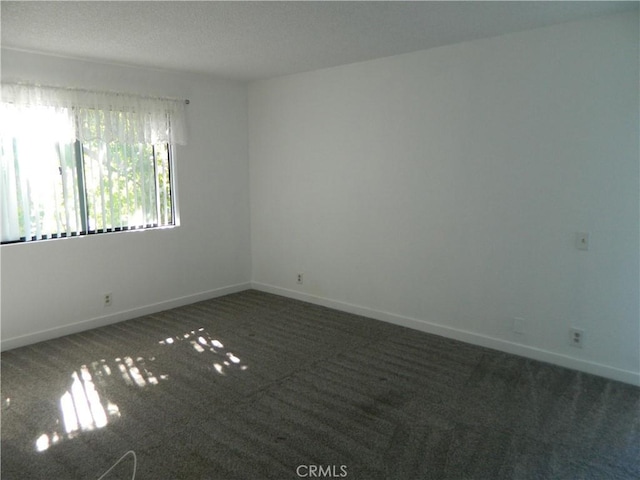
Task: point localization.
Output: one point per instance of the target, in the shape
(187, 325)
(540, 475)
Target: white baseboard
(101, 321)
(626, 376)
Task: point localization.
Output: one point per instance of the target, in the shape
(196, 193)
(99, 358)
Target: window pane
(39, 196)
(122, 188)
(163, 174)
(37, 171)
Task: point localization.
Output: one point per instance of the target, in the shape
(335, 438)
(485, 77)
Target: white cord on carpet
(135, 465)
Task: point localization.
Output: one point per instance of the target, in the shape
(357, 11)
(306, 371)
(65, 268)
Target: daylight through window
(71, 166)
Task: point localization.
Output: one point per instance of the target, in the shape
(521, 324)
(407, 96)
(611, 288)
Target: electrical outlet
(300, 278)
(518, 325)
(108, 298)
(582, 241)
(576, 337)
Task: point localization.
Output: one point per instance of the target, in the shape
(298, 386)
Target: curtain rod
(86, 90)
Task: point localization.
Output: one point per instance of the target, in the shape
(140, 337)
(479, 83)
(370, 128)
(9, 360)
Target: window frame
(78, 148)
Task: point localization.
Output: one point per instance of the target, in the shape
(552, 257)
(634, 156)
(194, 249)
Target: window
(77, 164)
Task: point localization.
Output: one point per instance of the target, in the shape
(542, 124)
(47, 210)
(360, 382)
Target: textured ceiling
(254, 40)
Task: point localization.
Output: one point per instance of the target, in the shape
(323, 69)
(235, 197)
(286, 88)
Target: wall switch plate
(582, 241)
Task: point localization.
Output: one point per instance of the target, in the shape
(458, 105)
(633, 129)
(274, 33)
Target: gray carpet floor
(256, 386)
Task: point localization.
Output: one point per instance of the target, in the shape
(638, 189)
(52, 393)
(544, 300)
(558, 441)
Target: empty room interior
(280, 240)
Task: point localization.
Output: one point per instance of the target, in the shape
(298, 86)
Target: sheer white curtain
(125, 118)
(40, 193)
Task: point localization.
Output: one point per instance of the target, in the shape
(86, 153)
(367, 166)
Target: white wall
(443, 190)
(55, 287)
